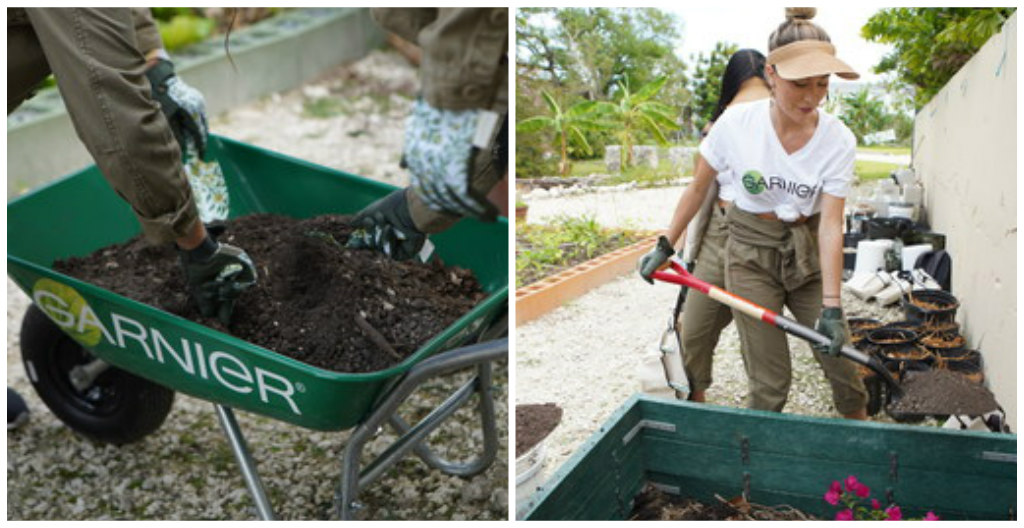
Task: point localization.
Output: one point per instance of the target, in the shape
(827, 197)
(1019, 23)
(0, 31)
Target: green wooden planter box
(701, 450)
(81, 213)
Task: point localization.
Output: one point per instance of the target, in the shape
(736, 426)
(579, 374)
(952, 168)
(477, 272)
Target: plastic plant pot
(930, 307)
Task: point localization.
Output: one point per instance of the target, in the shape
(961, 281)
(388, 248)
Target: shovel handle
(680, 276)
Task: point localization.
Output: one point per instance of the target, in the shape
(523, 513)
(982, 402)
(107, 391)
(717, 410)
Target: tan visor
(809, 58)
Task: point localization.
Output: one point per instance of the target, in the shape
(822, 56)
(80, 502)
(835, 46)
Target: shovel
(679, 275)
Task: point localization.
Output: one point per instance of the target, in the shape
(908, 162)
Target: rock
(613, 158)
(645, 155)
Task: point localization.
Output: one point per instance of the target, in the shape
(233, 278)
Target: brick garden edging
(539, 298)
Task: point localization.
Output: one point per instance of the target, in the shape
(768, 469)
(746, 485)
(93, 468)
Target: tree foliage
(568, 126)
(931, 44)
(707, 82)
(635, 113)
(863, 114)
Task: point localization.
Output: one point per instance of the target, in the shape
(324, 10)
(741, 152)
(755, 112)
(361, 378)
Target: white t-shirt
(743, 144)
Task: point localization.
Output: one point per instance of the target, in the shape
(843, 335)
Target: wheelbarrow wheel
(117, 407)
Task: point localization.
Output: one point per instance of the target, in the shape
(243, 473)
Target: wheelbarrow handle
(680, 276)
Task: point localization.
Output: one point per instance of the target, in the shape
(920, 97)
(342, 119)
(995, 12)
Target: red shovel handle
(680, 276)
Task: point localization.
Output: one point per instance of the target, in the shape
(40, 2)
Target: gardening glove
(440, 149)
(218, 280)
(832, 324)
(655, 259)
(387, 226)
(183, 106)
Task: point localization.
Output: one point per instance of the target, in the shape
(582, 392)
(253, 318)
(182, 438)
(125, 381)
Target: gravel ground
(585, 355)
(186, 470)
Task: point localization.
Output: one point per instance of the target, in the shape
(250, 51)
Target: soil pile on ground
(653, 504)
(315, 300)
(534, 422)
(941, 392)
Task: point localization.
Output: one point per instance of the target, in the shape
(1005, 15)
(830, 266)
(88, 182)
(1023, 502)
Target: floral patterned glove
(439, 153)
(182, 104)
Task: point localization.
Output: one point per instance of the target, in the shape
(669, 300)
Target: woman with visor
(791, 165)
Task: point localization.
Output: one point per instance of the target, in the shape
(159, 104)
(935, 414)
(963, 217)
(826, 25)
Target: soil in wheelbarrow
(941, 392)
(534, 422)
(315, 300)
(653, 504)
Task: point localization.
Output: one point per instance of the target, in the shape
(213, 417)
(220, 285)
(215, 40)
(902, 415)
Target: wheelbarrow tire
(118, 408)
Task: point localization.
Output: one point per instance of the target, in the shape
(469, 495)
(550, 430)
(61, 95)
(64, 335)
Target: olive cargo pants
(766, 276)
(704, 318)
(93, 54)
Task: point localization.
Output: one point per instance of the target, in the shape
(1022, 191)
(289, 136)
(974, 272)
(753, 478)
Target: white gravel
(585, 356)
(185, 470)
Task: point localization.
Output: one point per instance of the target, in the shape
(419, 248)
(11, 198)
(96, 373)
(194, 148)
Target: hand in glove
(832, 324)
(440, 156)
(655, 259)
(216, 282)
(386, 226)
(183, 106)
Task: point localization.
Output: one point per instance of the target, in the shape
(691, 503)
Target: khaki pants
(757, 274)
(99, 70)
(704, 319)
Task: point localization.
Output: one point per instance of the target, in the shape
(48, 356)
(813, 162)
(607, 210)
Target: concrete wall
(965, 152)
(275, 55)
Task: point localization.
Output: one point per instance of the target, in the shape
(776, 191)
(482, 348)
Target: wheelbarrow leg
(351, 479)
(487, 425)
(252, 479)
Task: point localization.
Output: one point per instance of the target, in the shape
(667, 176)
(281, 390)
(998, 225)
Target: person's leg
(848, 392)
(26, 64)
(704, 319)
(750, 274)
(99, 71)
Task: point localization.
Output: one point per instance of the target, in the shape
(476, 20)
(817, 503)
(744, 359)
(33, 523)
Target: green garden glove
(654, 259)
(183, 106)
(832, 324)
(387, 226)
(217, 281)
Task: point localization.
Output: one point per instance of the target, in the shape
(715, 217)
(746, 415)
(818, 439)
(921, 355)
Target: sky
(750, 24)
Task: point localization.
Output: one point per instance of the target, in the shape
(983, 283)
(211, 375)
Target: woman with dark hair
(704, 319)
(791, 165)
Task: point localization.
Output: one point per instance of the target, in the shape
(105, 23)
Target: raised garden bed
(545, 250)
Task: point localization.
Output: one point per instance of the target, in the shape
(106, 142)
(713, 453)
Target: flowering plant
(852, 498)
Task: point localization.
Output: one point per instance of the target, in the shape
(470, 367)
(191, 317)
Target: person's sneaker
(17, 410)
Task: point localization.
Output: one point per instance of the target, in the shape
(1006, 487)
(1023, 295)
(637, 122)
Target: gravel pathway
(186, 470)
(585, 356)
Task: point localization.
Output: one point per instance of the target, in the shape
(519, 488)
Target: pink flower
(832, 497)
(862, 491)
(836, 487)
(851, 483)
(930, 516)
(875, 504)
(893, 513)
(844, 515)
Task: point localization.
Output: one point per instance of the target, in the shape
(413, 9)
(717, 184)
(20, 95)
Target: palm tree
(569, 125)
(635, 112)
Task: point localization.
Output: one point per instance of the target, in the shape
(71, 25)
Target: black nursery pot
(899, 350)
(942, 312)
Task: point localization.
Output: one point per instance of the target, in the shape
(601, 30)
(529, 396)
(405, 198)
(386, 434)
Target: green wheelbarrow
(108, 366)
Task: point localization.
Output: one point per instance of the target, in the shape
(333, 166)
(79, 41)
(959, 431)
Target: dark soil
(315, 300)
(534, 422)
(653, 504)
(941, 392)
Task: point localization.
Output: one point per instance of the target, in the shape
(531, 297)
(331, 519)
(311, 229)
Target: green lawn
(881, 149)
(873, 170)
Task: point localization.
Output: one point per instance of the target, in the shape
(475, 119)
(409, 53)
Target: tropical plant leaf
(580, 139)
(654, 129)
(650, 89)
(535, 123)
(552, 105)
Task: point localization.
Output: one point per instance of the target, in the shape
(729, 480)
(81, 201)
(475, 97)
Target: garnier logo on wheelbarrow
(70, 311)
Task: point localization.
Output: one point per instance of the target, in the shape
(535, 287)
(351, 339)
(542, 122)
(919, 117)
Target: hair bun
(800, 13)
